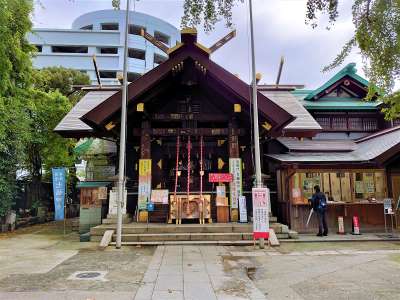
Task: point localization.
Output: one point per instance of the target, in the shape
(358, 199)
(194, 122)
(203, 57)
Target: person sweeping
(319, 205)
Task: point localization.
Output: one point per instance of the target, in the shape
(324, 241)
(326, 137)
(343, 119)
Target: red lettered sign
(260, 213)
(220, 177)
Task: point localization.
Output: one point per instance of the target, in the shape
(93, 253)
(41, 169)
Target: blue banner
(59, 192)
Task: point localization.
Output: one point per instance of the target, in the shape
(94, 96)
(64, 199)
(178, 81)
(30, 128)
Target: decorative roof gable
(347, 78)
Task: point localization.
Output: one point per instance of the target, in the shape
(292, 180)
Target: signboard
(260, 213)
(220, 177)
(356, 225)
(242, 209)
(221, 191)
(340, 225)
(159, 196)
(113, 204)
(59, 182)
(144, 183)
(296, 196)
(102, 192)
(387, 205)
(235, 168)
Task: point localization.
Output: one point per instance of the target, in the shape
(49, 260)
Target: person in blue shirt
(319, 205)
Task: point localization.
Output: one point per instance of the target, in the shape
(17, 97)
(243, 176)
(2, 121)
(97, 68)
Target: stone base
(112, 219)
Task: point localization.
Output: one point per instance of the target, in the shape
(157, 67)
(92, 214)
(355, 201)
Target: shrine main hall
(189, 154)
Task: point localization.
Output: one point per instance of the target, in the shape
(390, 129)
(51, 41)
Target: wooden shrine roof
(377, 148)
(304, 124)
(215, 75)
(72, 125)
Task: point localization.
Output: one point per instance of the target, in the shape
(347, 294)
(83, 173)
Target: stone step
(197, 243)
(186, 237)
(136, 228)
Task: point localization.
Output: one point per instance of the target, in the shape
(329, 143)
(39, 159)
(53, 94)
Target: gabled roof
(304, 122)
(348, 71)
(189, 49)
(296, 145)
(377, 148)
(71, 124)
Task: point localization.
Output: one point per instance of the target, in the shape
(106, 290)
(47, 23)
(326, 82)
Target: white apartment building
(101, 33)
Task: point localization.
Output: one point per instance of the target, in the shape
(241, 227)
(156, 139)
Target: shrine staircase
(209, 234)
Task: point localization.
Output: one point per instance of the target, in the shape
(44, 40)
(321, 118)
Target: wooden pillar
(233, 156)
(144, 167)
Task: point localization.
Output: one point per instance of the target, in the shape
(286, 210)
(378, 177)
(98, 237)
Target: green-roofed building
(339, 106)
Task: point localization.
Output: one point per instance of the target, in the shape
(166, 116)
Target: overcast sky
(279, 29)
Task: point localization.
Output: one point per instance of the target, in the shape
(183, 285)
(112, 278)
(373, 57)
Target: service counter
(370, 216)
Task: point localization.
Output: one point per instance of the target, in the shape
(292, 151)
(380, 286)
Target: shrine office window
(109, 26)
(339, 123)
(137, 53)
(39, 48)
(324, 122)
(356, 124)
(370, 124)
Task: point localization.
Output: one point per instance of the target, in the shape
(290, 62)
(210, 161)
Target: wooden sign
(220, 177)
(159, 196)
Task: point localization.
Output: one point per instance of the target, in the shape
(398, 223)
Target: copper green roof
(340, 103)
(349, 70)
(92, 184)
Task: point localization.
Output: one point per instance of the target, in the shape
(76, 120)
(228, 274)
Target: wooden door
(396, 193)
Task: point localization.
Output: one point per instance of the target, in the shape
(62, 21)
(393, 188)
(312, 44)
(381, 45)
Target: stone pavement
(191, 273)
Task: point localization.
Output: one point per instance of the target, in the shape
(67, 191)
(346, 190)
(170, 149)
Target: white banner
(235, 168)
(242, 209)
(260, 212)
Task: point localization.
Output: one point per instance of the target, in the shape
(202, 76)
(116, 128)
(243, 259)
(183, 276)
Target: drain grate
(88, 275)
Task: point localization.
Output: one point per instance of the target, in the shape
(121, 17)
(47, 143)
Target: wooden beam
(223, 41)
(154, 41)
(190, 131)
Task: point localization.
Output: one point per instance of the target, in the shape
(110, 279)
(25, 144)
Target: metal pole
(257, 154)
(255, 104)
(122, 144)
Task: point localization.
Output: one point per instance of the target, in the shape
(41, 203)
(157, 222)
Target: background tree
(31, 104)
(377, 35)
(60, 79)
(15, 75)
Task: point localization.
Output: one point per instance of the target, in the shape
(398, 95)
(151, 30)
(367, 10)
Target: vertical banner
(144, 183)
(235, 168)
(59, 182)
(242, 209)
(260, 213)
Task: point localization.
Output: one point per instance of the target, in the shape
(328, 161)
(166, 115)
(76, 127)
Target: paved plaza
(40, 263)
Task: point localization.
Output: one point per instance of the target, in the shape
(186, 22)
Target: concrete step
(136, 228)
(157, 237)
(197, 243)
